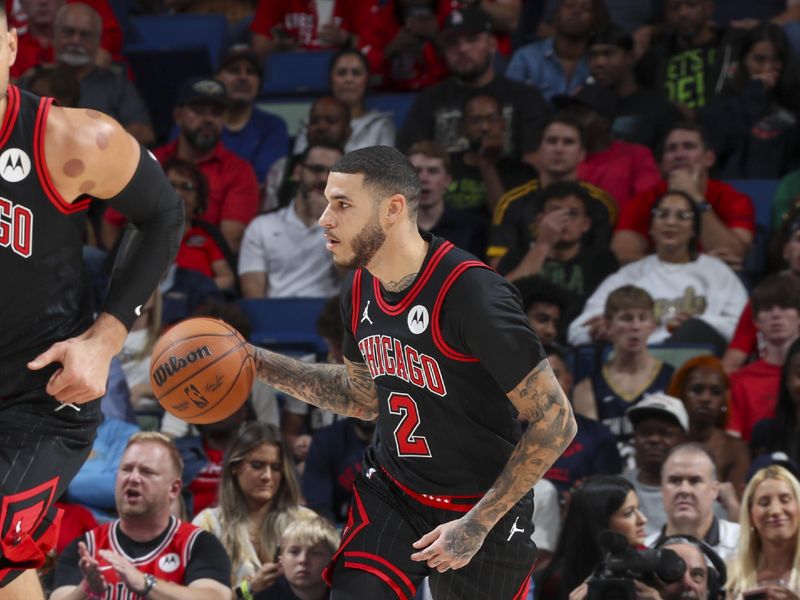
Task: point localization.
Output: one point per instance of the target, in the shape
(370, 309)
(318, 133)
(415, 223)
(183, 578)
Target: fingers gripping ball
(201, 370)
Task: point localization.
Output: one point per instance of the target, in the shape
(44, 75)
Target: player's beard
(366, 244)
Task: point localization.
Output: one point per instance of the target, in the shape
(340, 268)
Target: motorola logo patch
(14, 165)
(169, 562)
(418, 319)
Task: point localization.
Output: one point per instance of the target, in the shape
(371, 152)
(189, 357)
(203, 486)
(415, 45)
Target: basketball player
(54, 357)
(438, 348)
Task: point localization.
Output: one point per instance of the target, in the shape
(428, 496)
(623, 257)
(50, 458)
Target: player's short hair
(431, 149)
(386, 171)
(777, 290)
(628, 297)
(155, 437)
(310, 532)
(563, 117)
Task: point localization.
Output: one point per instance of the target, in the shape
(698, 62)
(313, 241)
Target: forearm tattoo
(327, 386)
(551, 427)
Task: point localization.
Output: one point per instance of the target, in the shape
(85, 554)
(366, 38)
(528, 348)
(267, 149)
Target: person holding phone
(767, 564)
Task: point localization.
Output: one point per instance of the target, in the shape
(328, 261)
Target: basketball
(201, 370)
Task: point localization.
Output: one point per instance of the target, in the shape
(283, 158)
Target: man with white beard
(76, 41)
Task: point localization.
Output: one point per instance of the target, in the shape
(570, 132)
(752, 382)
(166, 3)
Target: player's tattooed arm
(345, 389)
(551, 427)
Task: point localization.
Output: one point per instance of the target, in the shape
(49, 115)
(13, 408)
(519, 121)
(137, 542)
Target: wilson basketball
(201, 370)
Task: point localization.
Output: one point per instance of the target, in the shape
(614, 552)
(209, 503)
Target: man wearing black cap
(641, 116)
(256, 135)
(469, 52)
(621, 168)
(232, 186)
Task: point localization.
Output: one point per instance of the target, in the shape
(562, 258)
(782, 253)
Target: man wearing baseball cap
(660, 423)
(469, 50)
(255, 135)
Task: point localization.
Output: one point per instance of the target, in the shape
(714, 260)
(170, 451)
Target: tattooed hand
(451, 545)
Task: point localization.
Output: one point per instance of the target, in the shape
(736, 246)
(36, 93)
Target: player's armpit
(551, 427)
(347, 390)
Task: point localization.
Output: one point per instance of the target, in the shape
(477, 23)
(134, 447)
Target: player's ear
(395, 206)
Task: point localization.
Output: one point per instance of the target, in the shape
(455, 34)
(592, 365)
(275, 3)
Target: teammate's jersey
(167, 561)
(46, 296)
(443, 355)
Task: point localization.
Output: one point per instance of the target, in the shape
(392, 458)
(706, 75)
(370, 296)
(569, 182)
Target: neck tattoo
(399, 286)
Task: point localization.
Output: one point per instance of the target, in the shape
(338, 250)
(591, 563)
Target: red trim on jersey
(522, 592)
(451, 503)
(356, 300)
(10, 118)
(67, 208)
(436, 331)
(394, 310)
(379, 559)
(380, 575)
(348, 533)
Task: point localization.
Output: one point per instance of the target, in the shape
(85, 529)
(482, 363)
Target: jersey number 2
(408, 444)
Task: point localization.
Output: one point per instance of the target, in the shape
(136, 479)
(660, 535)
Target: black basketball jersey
(443, 356)
(46, 296)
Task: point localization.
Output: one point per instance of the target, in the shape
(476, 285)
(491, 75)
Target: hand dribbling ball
(201, 370)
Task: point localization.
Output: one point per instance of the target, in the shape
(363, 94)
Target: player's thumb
(50, 355)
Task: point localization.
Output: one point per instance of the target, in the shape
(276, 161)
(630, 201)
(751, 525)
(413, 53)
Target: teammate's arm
(87, 152)
(345, 389)
(551, 427)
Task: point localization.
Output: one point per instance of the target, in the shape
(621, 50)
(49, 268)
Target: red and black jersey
(167, 560)
(47, 296)
(443, 355)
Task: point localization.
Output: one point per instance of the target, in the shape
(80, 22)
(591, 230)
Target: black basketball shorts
(41, 450)
(373, 560)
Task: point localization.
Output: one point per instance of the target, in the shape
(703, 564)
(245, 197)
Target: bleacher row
(164, 50)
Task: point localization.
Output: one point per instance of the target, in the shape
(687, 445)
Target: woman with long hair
(768, 558)
(698, 298)
(602, 502)
(703, 386)
(349, 76)
(782, 433)
(259, 497)
(753, 125)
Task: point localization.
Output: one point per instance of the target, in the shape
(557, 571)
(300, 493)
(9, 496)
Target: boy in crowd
(631, 373)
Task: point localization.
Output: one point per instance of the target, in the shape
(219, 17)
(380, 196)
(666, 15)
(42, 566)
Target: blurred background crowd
(633, 166)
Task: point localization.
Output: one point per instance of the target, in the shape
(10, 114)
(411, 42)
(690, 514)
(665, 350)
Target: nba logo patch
(15, 165)
(169, 562)
(418, 319)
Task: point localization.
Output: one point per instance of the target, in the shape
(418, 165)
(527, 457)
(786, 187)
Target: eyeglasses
(699, 388)
(183, 186)
(681, 215)
(317, 169)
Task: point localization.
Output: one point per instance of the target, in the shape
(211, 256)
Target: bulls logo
(169, 563)
(14, 165)
(418, 319)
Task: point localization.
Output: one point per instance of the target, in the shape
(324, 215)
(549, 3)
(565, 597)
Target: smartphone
(755, 594)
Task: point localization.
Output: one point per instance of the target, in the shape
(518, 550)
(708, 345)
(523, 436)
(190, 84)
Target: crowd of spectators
(591, 151)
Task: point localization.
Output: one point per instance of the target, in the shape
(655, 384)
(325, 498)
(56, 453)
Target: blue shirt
(537, 65)
(262, 141)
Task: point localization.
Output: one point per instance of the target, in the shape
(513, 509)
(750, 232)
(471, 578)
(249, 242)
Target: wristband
(90, 593)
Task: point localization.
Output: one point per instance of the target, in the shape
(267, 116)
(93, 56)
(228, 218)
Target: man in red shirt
(728, 220)
(233, 188)
(754, 387)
